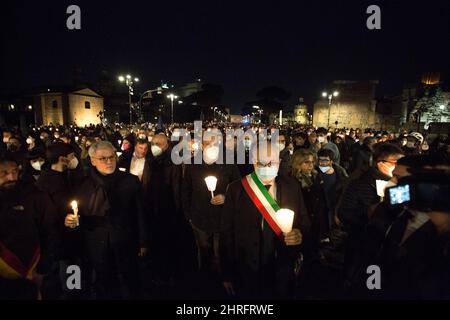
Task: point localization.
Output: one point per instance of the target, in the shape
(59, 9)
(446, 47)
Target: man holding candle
(360, 196)
(204, 211)
(112, 223)
(257, 258)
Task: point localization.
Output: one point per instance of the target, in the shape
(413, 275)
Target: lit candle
(211, 183)
(381, 185)
(285, 219)
(75, 210)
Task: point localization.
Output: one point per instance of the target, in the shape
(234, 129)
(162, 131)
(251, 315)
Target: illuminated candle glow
(211, 183)
(285, 219)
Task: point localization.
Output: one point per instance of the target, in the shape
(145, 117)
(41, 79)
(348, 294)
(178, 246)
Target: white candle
(211, 183)
(74, 204)
(381, 185)
(285, 219)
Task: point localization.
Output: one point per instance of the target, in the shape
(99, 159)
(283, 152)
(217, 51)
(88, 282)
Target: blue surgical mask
(324, 169)
(267, 173)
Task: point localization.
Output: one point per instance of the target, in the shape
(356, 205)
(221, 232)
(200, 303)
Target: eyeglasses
(269, 164)
(105, 159)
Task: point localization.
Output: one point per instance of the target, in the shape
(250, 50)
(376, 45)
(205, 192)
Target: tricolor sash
(263, 201)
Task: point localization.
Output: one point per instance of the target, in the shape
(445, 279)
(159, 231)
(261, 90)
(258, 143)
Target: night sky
(243, 45)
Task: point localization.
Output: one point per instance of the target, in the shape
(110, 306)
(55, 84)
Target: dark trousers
(208, 249)
(114, 263)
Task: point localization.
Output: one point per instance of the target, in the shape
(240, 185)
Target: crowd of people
(111, 200)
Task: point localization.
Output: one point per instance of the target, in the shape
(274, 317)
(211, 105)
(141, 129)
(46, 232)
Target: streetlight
(172, 97)
(128, 80)
(330, 99)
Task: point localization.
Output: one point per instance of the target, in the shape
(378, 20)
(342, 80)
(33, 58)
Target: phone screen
(399, 194)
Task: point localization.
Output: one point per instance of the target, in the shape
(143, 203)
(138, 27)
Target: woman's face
(307, 165)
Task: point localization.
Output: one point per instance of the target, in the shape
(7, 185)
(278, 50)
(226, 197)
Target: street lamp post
(172, 97)
(330, 101)
(129, 81)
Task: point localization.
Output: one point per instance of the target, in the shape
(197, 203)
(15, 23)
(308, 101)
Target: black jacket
(242, 238)
(164, 189)
(196, 197)
(60, 188)
(358, 196)
(27, 226)
(113, 202)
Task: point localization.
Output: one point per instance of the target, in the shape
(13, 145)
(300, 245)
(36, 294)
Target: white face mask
(211, 154)
(281, 146)
(150, 138)
(73, 163)
(324, 169)
(291, 152)
(29, 141)
(156, 151)
(267, 173)
(37, 165)
(321, 139)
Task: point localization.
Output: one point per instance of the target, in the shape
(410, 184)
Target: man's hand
(229, 288)
(218, 200)
(142, 252)
(71, 221)
(293, 238)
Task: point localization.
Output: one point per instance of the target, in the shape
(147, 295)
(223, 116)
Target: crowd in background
(149, 228)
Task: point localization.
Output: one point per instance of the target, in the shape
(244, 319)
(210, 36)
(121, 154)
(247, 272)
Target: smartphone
(399, 194)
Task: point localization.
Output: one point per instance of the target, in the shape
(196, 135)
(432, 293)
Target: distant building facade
(355, 106)
(82, 107)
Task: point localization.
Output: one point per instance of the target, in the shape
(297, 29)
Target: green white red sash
(263, 201)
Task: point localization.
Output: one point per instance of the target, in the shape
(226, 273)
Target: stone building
(354, 106)
(80, 106)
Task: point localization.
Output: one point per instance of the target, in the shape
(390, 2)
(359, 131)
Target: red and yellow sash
(12, 268)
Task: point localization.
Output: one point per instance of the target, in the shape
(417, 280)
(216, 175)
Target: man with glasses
(360, 196)
(257, 258)
(111, 219)
(332, 179)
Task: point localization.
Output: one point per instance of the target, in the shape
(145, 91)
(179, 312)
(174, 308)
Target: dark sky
(242, 45)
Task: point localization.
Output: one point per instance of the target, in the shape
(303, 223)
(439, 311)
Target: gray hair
(100, 145)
